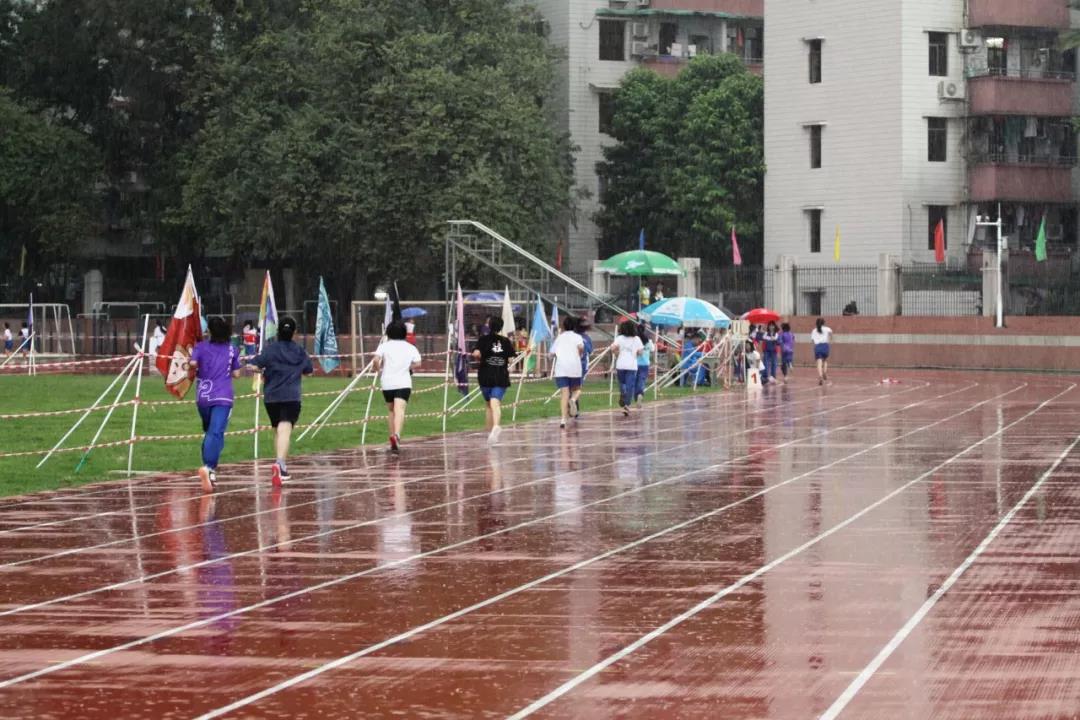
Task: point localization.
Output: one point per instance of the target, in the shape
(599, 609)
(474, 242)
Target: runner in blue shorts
(494, 352)
(821, 337)
(567, 350)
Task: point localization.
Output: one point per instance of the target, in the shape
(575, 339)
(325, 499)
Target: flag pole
(521, 383)
(324, 417)
(138, 392)
(132, 367)
(446, 386)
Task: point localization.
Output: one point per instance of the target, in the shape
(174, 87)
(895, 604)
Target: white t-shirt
(398, 357)
(825, 336)
(567, 358)
(627, 349)
(7, 334)
(24, 333)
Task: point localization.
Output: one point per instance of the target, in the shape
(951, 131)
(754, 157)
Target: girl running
(395, 361)
(212, 366)
(494, 353)
(628, 348)
(568, 351)
(771, 345)
(787, 350)
(821, 336)
(644, 361)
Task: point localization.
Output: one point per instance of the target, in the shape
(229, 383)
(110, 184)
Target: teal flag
(326, 346)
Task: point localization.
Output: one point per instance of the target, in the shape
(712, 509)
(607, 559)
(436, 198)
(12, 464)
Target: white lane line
(314, 672)
(868, 672)
(89, 657)
(708, 602)
(549, 478)
(249, 488)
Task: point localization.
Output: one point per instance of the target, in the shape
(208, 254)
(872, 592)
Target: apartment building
(884, 117)
(605, 39)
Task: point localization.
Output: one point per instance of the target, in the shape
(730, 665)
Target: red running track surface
(858, 550)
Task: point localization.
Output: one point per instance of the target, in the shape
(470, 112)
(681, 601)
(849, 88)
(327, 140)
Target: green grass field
(23, 394)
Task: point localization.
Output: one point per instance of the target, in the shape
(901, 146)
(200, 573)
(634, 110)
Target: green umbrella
(641, 262)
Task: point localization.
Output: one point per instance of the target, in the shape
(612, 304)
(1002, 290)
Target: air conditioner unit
(950, 90)
(970, 39)
(639, 48)
(640, 29)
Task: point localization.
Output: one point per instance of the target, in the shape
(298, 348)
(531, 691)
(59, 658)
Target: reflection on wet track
(859, 550)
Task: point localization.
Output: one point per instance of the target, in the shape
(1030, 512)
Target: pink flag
(736, 256)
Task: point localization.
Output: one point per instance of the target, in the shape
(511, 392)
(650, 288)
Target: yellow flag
(836, 246)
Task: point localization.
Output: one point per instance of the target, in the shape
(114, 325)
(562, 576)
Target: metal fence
(1042, 289)
(842, 290)
(738, 289)
(935, 290)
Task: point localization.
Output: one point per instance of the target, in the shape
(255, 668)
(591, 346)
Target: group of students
(773, 347)
(9, 339)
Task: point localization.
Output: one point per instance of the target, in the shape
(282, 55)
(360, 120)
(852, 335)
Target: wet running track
(859, 550)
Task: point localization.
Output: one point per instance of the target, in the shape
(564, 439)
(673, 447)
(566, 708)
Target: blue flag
(325, 339)
(641, 240)
(539, 332)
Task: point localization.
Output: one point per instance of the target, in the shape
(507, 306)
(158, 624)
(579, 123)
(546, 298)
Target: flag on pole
(836, 246)
(736, 256)
(325, 340)
(508, 315)
(268, 320)
(1040, 242)
(539, 333)
(184, 331)
(641, 240)
(554, 318)
(461, 365)
(30, 316)
(939, 242)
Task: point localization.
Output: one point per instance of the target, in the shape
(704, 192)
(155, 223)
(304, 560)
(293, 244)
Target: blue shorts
(821, 351)
(568, 382)
(493, 393)
(9, 345)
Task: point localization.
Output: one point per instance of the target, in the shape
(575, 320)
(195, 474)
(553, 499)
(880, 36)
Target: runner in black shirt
(494, 353)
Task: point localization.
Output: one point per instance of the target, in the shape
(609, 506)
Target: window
(702, 44)
(815, 61)
(938, 213)
(814, 218)
(815, 146)
(612, 40)
(936, 139)
(607, 112)
(997, 60)
(939, 54)
(668, 32)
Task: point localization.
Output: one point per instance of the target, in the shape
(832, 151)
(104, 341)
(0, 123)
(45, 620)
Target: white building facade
(884, 117)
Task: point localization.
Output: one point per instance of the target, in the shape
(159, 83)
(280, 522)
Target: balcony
(1043, 94)
(1018, 13)
(742, 8)
(990, 180)
(671, 65)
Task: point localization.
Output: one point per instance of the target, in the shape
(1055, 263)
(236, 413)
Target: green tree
(348, 139)
(47, 175)
(689, 161)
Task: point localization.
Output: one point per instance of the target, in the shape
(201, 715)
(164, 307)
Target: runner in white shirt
(628, 347)
(821, 336)
(9, 339)
(395, 360)
(567, 350)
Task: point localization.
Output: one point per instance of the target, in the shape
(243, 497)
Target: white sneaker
(494, 436)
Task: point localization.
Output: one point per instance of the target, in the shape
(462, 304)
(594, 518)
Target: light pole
(981, 221)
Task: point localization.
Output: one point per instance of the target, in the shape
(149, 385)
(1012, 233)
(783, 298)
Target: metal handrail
(1024, 73)
(1005, 159)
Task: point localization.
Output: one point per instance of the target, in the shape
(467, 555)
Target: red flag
(185, 329)
(558, 254)
(939, 242)
(736, 256)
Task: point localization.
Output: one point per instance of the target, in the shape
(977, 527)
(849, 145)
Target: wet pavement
(858, 550)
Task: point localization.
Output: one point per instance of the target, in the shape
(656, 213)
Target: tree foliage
(46, 181)
(350, 138)
(689, 161)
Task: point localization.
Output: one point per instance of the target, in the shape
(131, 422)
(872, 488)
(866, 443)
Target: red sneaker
(394, 444)
(275, 475)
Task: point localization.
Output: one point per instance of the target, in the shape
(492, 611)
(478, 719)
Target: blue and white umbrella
(685, 311)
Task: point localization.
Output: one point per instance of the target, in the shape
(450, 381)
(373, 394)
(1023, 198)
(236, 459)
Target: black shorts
(402, 393)
(283, 412)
